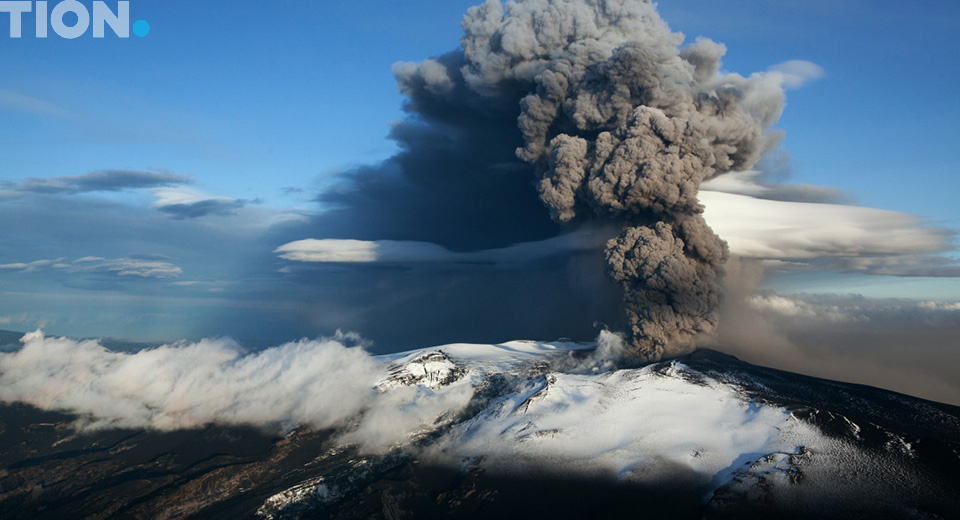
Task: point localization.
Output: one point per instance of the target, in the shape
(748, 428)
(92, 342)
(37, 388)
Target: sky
(188, 183)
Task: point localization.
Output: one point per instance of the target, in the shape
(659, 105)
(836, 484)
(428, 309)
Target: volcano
(544, 430)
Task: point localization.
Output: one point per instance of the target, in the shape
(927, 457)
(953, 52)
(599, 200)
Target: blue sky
(252, 110)
(880, 122)
(248, 98)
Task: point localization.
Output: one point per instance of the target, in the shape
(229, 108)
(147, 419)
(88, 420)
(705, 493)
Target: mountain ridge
(700, 432)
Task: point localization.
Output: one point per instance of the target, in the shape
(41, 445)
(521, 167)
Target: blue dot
(141, 28)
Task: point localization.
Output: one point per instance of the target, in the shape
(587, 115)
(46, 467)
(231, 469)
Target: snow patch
(641, 425)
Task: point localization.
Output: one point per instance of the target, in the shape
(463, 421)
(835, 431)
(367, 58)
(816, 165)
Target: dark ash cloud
(593, 109)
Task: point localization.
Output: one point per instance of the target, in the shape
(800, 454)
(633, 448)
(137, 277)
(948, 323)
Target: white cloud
(147, 267)
(359, 251)
(410, 252)
(794, 74)
(89, 259)
(236, 215)
(320, 382)
(771, 229)
(10, 100)
(797, 308)
(182, 195)
(940, 306)
(796, 226)
(142, 268)
(753, 184)
(789, 233)
(27, 267)
(182, 203)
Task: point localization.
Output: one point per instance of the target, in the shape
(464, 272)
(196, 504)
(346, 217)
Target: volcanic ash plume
(620, 124)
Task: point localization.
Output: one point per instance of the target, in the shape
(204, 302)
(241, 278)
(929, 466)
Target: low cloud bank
(323, 383)
(319, 383)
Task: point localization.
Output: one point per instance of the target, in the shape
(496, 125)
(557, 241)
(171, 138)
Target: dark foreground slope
(886, 456)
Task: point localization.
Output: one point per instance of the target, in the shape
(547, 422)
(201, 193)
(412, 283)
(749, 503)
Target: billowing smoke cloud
(619, 123)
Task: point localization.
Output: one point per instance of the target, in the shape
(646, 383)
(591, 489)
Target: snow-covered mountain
(527, 427)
